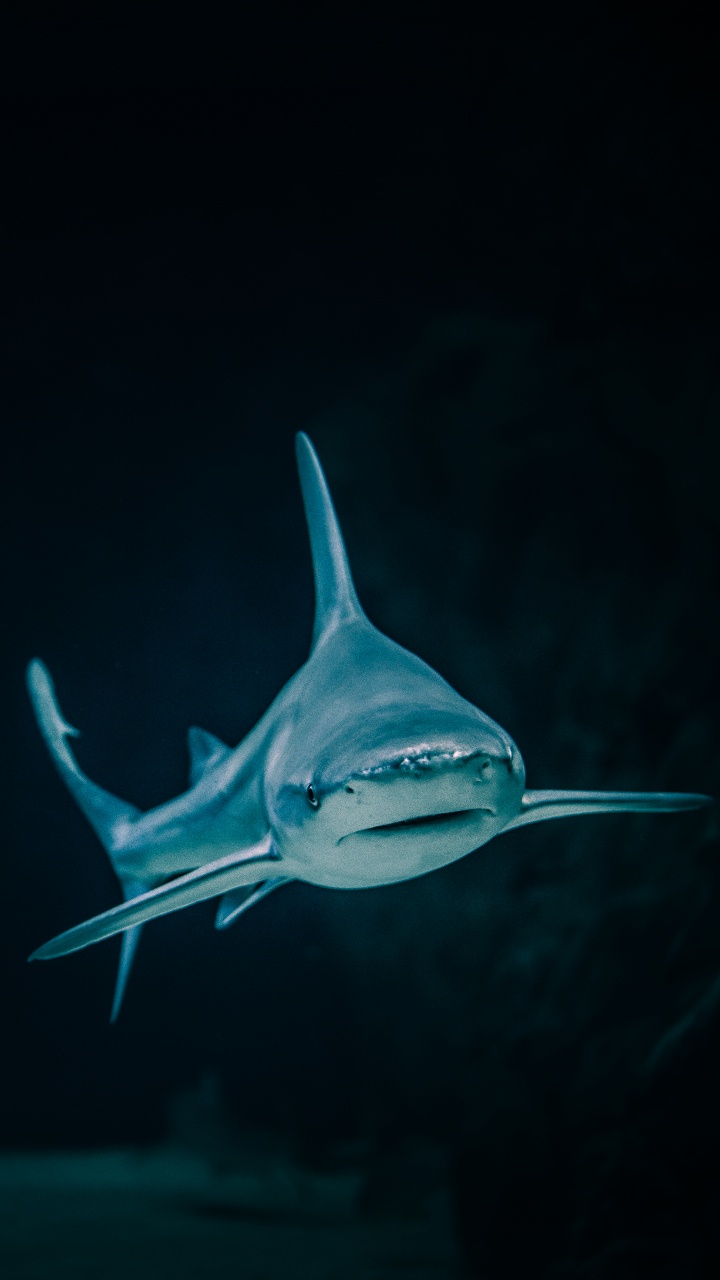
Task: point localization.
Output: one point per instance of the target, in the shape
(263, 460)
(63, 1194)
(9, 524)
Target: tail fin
(335, 597)
(128, 947)
(105, 813)
(108, 816)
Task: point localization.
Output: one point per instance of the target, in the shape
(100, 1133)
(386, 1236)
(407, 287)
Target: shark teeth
(419, 759)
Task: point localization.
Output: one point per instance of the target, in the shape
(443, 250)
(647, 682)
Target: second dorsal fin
(335, 597)
(205, 751)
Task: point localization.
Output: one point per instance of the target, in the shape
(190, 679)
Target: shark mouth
(429, 820)
(420, 759)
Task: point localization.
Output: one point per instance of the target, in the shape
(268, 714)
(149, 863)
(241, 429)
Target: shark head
(395, 798)
(383, 771)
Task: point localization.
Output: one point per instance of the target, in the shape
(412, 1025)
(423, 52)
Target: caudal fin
(128, 947)
(108, 816)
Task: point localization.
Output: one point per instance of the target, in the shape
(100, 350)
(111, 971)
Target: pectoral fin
(537, 806)
(249, 865)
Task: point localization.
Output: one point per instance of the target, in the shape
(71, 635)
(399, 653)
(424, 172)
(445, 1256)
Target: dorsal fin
(335, 598)
(205, 751)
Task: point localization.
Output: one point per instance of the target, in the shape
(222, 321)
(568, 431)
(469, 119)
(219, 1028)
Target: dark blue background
(478, 264)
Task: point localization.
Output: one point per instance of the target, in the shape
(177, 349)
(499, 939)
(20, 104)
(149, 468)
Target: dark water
(482, 273)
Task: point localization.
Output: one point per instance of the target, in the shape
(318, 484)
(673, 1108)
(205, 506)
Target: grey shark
(367, 769)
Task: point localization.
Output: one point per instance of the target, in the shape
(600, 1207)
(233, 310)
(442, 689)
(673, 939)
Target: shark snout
(414, 811)
(495, 773)
(439, 757)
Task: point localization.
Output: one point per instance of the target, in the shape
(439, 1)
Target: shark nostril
(485, 770)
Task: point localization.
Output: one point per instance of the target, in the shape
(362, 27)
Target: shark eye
(312, 797)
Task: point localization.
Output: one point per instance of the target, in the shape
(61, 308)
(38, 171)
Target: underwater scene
(361, 548)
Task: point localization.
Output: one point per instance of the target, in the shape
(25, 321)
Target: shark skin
(367, 769)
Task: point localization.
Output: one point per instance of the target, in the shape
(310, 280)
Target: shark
(367, 769)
